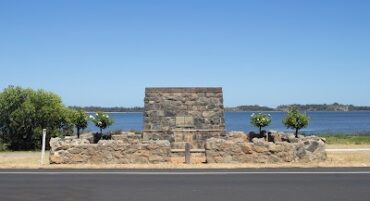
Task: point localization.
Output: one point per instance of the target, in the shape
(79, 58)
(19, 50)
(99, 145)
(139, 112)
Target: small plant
(260, 120)
(296, 120)
(101, 120)
(79, 119)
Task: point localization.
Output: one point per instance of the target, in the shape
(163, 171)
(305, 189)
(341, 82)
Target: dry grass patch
(21, 159)
(348, 146)
(342, 158)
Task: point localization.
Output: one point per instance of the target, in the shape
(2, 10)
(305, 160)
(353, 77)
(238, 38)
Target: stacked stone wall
(236, 148)
(122, 151)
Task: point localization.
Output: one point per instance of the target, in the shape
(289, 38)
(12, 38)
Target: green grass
(347, 139)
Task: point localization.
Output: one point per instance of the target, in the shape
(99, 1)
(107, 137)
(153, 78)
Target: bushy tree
(260, 120)
(101, 120)
(296, 120)
(79, 119)
(25, 112)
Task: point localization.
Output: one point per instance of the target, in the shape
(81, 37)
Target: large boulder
(310, 149)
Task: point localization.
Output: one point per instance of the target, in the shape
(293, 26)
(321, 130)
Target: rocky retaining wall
(76, 151)
(236, 148)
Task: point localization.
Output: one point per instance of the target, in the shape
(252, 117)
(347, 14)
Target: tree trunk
(266, 137)
(78, 133)
(296, 132)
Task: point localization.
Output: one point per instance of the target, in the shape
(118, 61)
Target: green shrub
(296, 120)
(79, 119)
(4, 146)
(25, 112)
(260, 120)
(101, 120)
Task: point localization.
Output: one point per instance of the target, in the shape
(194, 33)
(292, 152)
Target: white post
(43, 146)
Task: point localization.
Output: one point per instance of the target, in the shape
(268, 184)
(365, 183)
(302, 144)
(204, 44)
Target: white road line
(185, 173)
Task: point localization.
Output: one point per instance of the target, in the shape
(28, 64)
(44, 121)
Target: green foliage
(79, 119)
(25, 112)
(4, 147)
(101, 120)
(260, 120)
(296, 120)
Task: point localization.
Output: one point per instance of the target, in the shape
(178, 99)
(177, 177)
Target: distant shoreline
(244, 111)
(112, 112)
(335, 107)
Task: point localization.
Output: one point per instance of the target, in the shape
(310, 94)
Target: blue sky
(261, 52)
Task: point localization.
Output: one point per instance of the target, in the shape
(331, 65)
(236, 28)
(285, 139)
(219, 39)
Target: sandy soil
(31, 160)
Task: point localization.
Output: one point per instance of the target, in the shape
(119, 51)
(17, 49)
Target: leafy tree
(296, 120)
(66, 126)
(260, 120)
(101, 120)
(79, 119)
(25, 112)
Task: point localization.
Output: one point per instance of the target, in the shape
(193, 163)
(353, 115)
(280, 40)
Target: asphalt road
(189, 185)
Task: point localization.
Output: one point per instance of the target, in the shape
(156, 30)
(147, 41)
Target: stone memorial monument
(183, 115)
(185, 119)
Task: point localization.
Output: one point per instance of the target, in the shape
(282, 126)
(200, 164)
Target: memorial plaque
(184, 122)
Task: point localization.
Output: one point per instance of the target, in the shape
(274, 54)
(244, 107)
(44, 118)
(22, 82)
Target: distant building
(183, 115)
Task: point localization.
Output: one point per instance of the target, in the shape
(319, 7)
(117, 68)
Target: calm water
(321, 122)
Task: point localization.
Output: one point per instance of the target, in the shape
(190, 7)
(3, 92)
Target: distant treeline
(246, 108)
(309, 107)
(325, 107)
(109, 109)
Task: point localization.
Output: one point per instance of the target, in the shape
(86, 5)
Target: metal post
(187, 153)
(43, 146)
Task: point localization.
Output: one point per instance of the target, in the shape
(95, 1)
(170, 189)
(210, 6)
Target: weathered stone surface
(178, 145)
(74, 151)
(200, 110)
(236, 148)
(276, 136)
(238, 135)
(87, 136)
(127, 137)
